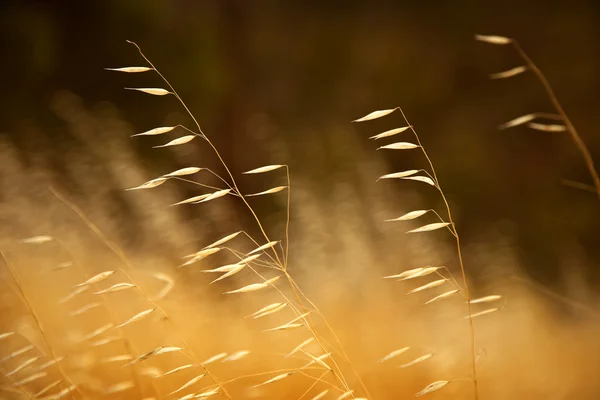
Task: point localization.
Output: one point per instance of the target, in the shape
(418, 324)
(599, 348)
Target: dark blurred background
(274, 81)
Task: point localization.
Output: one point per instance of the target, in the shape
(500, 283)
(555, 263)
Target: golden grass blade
(74, 293)
(345, 395)
(493, 39)
(97, 278)
(234, 271)
(130, 69)
(150, 184)
(430, 227)
(200, 255)
(23, 365)
(424, 179)
(399, 146)
(237, 355)
(49, 363)
(275, 379)
(183, 172)
(442, 296)
(409, 215)
(6, 334)
(152, 91)
(215, 195)
(31, 378)
(214, 358)
(267, 310)
(429, 285)
(175, 370)
(405, 273)
(116, 288)
(120, 387)
(37, 239)
(509, 73)
(269, 191)
(193, 199)
(432, 387)
(486, 299)
(47, 388)
(547, 127)
(120, 357)
(484, 312)
(423, 272)
(176, 142)
(253, 287)
(391, 132)
(17, 353)
(318, 360)
(224, 268)
(375, 115)
(523, 119)
(264, 247)
(156, 131)
(399, 174)
(417, 360)
(223, 240)
(321, 395)
(136, 317)
(97, 332)
(266, 168)
(207, 394)
(393, 354)
(285, 327)
(189, 383)
(300, 347)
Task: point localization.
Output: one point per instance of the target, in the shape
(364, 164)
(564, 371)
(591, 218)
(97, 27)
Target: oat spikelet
(216, 195)
(275, 379)
(430, 227)
(399, 146)
(136, 317)
(223, 240)
(484, 312)
(23, 365)
(31, 378)
(442, 296)
(394, 353)
(200, 255)
(214, 358)
(6, 334)
(509, 73)
(397, 175)
(264, 247)
(267, 310)
(97, 278)
(417, 360)
(486, 299)
(547, 127)
(409, 215)
(405, 273)
(320, 395)
(120, 387)
(390, 133)
(269, 191)
(85, 308)
(233, 271)
(375, 115)
(345, 395)
(266, 168)
(17, 353)
(156, 131)
(424, 179)
(97, 332)
(37, 239)
(299, 347)
(152, 91)
(429, 285)
(188, 384)
(423, 272)
(523, 119)
(194, 199)
(150, 184)
(176, 142)
(493, 39)
(174, 370)
(237, 355)
(130, 69)
(47, 388)
(183, 172)
(432, 387)
(116, 288)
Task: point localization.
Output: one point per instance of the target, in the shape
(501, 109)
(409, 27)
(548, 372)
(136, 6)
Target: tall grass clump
(532, 120)
(442, 274)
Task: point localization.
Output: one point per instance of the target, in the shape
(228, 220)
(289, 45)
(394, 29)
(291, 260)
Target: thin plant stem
(459, 254)
(579, 143)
